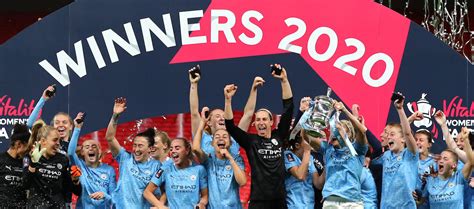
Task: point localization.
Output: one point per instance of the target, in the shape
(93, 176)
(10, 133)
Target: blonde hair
(164, 138)
(35, 129)
(349, 127)
(44, 132)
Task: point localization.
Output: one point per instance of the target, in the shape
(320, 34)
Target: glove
(36, 154)
(75, 174)
(75, 171)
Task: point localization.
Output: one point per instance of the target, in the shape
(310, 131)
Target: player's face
(22, 149)
(221, 140)
(141, 149)
(446, 164)
(384, 135)
(159, 148)
(63, 124)
(51, 143)
(396, 142)
(460, 143)
(216, 120)
(179, 152)
(422, 143)
(91, 151)
(263, 123)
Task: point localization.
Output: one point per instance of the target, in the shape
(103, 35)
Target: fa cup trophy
(319, 114)
(316, 118)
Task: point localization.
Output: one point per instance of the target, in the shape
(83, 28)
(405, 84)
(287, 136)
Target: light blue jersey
(469, 202)
(182, 186)
(343, 171)
(206, 145)
(469, 193)
(223, 188)
(368, 189)
(100, 179)
(400, 173)
(446, 194)
(424, 168)
(134, 177)
(299, 194)
(35, 113)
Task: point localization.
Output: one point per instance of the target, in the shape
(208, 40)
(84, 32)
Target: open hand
(120, 105)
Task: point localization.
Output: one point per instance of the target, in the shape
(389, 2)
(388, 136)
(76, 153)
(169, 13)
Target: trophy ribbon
(299, 125)
(342, 140)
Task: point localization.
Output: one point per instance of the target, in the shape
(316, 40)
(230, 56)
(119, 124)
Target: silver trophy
(317, 116)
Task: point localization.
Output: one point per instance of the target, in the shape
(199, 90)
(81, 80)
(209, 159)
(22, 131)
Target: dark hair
(20, 133)
(471, 139)
(149, 134)
(265, 110)
(292, 143)
(427, 134)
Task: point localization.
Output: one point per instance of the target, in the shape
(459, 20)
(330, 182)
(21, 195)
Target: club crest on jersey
(228, 167)
(158, 173)
(59, 166)
(399, 158)
(275, 142)
(192, 177)
(451, 185)
(103, 176)
(290, 157)
(147, 172)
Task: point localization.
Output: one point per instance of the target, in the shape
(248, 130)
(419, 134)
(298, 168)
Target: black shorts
(268, 204)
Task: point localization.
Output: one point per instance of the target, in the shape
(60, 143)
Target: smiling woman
(47, 174)
(98, 179)
(62, 122)
(136, 169)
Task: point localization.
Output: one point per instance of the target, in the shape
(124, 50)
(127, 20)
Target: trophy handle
(328, 93)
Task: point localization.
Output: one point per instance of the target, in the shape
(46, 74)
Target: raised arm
(314, 142)
(249, 109)
(300, 172)
(288, 106)
(469, 164)
(319, 180)
(71, 151)
(304, 105)
(229, 92)
(35, 113)
(415, 117)
(285, 84)
(239, 135)
(375, 144)
(359, 127)
(406, 129)
(441, 120)
(119, 107)
(197, 150)
(194, 101)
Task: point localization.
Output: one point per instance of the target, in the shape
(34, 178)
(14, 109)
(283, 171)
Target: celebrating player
(265, 148)
(225, 170)
(136, 169)
(97, 179)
